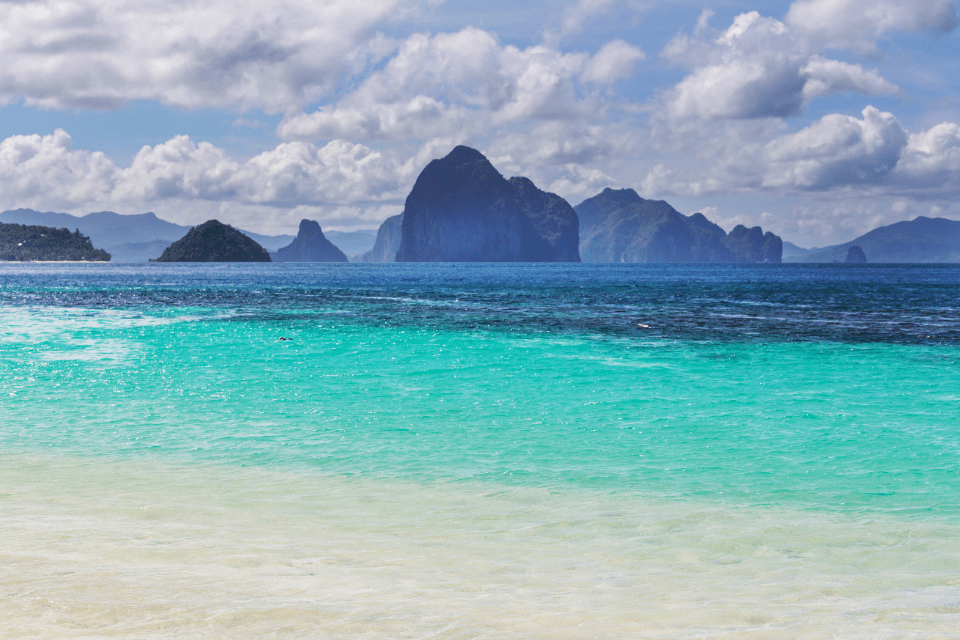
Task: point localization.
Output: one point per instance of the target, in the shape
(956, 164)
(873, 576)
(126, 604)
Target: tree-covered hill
(22, 243)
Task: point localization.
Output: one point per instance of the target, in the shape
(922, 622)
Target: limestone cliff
(753, 245)
(856, 255)
(620, 226)
(461, 209)
(388, 241)
(310, 245)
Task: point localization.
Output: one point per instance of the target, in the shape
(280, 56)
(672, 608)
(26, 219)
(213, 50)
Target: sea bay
(480, 450)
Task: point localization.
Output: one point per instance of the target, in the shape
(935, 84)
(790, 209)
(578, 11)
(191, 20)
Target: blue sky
(816, 119)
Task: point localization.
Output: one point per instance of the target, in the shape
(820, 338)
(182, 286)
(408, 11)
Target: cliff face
(388, 241)
(214, 241)
(20, 242)
(753, 245)
(310, 245)
(462, 210)
(855, 255)
(620, 226)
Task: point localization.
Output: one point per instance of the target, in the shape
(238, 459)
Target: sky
(815, 119)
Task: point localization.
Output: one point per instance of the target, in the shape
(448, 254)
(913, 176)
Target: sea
(497, 451)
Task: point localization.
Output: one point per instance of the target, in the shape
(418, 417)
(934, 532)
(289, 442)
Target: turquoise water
(480, 451)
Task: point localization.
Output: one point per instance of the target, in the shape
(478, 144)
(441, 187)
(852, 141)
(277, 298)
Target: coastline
(164, 550)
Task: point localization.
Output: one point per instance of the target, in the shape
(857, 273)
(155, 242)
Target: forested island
(32, 243)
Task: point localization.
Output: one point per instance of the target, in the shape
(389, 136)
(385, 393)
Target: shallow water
(479, 451)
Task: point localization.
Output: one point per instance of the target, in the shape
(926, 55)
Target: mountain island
(214, 241)
(461, 209)
(620, 226)
(310, 245)
(20, 242)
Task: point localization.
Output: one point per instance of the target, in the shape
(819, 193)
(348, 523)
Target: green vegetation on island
(214, 241)
(23, 243)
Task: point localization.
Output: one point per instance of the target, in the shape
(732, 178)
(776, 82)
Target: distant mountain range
(353, 243)
(921, 240)
(127, 238)
(480, 215)
(620, 226)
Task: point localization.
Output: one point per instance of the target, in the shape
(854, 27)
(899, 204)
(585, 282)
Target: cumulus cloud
(758, 68)
(615, 60)
(931, 161)
(859, 23)
(464, 82)
(837, 150)
(46, 172)
(203, 53)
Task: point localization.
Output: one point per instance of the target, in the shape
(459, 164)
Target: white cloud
(44, 171)
(859, 23)
(931, 160)
(465, 83)
(188, 53)
(825, 77)
(575, 14)
(837, 150)
(615, 60)
(562, 143)
(758, 68)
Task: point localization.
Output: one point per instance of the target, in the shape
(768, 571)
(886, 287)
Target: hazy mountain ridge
(617, 225)
(127, 237)
(921, 240)
(353, 243)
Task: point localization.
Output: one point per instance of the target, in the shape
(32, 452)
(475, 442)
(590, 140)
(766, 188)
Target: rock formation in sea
(855, 255)
(388, 241)
(310, 245)
(214, 241)
(617, 225)
(19, 242)
(753, 245)
(461, 209)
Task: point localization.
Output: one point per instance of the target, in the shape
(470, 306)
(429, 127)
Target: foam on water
(105, 549)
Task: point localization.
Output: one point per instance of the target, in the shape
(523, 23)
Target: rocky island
(461, 209)
(620, 226)
(310, 245)
(388, 241)
(19, 243)
(214, 241)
